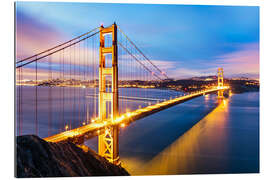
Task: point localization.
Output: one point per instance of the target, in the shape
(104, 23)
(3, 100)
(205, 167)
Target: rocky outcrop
(38, 158)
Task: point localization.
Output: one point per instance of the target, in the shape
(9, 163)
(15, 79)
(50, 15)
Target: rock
(38, 158)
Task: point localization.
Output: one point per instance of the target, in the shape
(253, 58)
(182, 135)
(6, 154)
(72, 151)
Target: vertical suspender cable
(64, 120)
(50, 96)
(19, 96)
(88, 70)
(59, 91)
(20, 99)
(84, 66)
(36, 120)
(79, 89)
(62, 88)
(70, 89)
(74, 88)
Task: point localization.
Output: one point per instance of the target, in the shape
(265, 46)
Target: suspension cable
(139, 61)
(57, 50)
(57, 46)
(143, 53)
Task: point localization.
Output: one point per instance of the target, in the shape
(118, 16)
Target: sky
(183, 40)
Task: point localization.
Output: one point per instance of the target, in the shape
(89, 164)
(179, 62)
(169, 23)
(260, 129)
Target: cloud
(242, 62)
(32, 36)
(176, 69)
(164, 65)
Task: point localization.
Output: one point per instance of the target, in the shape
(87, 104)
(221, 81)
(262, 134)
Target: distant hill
(204, 78)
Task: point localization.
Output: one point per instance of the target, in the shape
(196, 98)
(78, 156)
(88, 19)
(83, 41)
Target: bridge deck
(95, 128)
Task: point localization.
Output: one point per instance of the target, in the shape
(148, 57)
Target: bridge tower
(220, 82)
(108, 97)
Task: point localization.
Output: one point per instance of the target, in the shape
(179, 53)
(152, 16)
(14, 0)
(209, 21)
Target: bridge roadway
(78, 135)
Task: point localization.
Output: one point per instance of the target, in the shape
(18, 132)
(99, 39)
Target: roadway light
(128, 114)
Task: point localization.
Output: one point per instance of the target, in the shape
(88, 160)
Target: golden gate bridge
(83, 86)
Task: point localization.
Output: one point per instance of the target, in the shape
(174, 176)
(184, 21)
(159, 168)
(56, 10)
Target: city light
(224, 102)
(122, 125)
(129, 116)
(93, 120)
(119, 119)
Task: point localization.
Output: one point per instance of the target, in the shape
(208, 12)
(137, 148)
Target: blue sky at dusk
(184, 40)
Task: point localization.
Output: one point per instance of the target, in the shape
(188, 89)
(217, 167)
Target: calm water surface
(53, 108)
(202, 135)
(199, 136)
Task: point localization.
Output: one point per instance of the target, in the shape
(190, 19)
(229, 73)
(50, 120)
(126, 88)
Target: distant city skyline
(183, 40)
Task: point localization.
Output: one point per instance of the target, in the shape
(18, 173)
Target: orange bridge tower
(220, 82)
(108, 94)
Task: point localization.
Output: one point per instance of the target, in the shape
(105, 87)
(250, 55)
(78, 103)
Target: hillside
(38, 158)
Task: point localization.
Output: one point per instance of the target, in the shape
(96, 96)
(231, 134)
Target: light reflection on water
(180, 156)
(198, 136)
(226, 140)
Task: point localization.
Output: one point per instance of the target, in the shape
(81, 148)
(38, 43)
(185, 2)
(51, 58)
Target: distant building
(204, 78)
(209, 79)
(240, 78)
(168, 80)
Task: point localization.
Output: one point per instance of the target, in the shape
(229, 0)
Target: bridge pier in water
(108, 96)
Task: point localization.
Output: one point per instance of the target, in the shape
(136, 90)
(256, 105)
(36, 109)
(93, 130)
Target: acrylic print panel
(102, 90)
